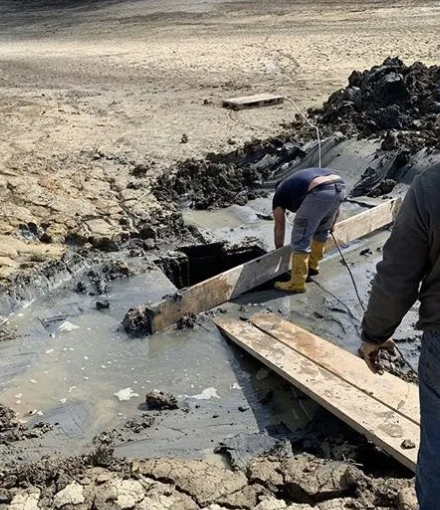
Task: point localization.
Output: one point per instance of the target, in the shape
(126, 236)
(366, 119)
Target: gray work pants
(316, 216)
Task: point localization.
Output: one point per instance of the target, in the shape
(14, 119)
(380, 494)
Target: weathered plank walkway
(335, 380)
(240, 279)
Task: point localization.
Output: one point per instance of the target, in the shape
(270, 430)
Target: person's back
(410, 269)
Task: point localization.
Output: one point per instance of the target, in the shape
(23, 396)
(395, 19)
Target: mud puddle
(72, 366)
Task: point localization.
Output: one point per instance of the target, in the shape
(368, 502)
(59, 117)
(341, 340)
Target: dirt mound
(389, 97)
(224, 179)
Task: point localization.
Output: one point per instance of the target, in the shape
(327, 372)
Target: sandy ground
(89, 91)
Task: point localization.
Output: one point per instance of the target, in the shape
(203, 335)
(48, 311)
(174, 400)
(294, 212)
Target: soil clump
(161, 401)
(393, 101)
(11, 430)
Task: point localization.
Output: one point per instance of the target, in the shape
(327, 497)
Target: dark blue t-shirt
(291, 192)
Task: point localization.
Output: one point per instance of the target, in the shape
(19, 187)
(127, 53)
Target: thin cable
(313, 126)
(360, 299)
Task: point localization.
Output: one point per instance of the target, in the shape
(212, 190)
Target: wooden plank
(239, 103)
(384, 427)
(364, 223)
(234, 282)
(398, 395)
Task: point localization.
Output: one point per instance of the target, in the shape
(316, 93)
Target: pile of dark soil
(390, 97)
(224, 179)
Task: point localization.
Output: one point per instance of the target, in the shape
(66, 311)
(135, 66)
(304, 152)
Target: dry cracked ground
(94, 92)
(169, 484)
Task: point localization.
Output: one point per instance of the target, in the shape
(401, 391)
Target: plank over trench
(381, 425)
(398, 395)
(240, 279)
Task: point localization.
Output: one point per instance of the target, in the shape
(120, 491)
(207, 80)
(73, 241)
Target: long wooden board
(381, 425)
(398, 395)
(240, 279)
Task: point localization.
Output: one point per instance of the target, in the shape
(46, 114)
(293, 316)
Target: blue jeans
(428, 464)
(316, 216)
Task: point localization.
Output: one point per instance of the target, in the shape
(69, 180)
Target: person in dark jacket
(315, 195)
(410, 270)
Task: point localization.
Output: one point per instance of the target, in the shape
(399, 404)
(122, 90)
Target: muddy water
(69, 360)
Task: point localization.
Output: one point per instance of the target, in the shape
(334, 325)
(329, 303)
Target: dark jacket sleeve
(397, 281)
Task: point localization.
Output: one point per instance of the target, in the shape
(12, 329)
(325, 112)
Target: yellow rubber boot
(298, 274)
(316, 255)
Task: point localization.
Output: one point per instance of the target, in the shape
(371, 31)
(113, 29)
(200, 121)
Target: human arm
(279, 227)
(396, 284)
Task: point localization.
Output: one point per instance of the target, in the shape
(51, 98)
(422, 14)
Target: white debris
(125, 394)
(86, 357)
(71, 349)
(19, 395)
(206, 394)
(63, 400)
(70, 495)
(72, 388)
(235, 386)
(40, 413)
(68, 326)
(33, 381)
(86, 378)
(27, 501)
(49, 351)
(130, 492)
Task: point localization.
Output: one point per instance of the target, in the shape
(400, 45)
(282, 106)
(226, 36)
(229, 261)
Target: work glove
(370, 353)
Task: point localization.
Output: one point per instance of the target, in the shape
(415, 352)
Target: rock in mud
(139, 424)
(187, 321)
(161, 401)
(102, 304)
(138, 320)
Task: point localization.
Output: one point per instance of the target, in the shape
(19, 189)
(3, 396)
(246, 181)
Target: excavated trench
(189, 265)
(71, 365)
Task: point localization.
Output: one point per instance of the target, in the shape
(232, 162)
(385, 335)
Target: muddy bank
(312, 473)
(220, 180)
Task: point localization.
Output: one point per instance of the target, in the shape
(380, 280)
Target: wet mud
(280, 455)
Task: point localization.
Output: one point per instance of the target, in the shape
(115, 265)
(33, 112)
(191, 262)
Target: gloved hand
(370, 352)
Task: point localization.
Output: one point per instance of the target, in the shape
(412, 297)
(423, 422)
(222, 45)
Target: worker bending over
(315, 195)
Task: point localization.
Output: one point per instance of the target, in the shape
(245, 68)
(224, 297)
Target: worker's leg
(428, 465)
(323, 231)
(316, 206)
